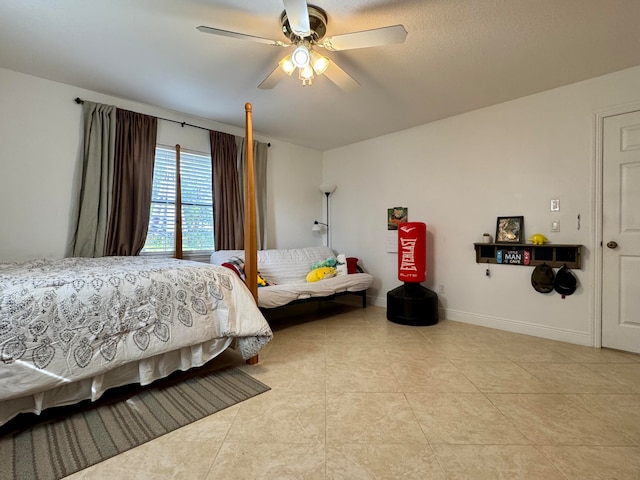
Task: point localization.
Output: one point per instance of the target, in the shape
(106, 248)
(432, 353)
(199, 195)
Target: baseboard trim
(377, 301)
(507, 324)
(516, 326)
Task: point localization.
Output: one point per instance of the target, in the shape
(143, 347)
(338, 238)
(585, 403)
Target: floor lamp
(327, 190)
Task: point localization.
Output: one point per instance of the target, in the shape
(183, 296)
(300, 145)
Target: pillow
(233, 268)
(352, 265)
(236, 264)
(341, 266)
(321, 273)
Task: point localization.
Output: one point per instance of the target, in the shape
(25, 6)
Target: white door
(621, 232)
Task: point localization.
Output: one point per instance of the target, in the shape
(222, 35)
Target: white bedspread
(278, 295)
(62, 321)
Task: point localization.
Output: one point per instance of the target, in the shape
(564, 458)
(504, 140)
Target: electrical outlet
(441, 289)
(555, 205)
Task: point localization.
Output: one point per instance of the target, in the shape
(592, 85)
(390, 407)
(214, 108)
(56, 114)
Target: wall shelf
(527, 254)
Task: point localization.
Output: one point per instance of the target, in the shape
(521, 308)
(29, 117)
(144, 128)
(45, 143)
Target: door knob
(612, 244)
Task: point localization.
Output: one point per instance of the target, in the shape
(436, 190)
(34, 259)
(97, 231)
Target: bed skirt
(142, 372)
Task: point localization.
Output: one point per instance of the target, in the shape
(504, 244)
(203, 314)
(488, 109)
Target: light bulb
(306, 75)
(287, 65)
(319, 63)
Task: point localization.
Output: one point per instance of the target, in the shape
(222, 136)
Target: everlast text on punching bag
(411, 303)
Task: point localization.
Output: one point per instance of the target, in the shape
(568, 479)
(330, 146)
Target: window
(197, 202)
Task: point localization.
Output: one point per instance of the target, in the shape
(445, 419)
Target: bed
(72, 328)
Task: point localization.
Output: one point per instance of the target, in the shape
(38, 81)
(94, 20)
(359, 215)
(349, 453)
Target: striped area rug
(58, 447)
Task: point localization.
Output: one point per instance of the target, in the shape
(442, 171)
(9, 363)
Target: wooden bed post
(178, 213)
(250, 237)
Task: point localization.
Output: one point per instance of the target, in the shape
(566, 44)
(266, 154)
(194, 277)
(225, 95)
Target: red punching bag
(411, 303)
(412, 252)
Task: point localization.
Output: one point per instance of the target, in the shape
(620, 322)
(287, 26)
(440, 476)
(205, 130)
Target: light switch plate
(555, 205)
(555, 226)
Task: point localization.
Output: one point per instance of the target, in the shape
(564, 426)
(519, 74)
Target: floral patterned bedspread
(65, 320)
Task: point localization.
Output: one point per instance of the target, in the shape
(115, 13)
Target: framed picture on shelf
(510, 230)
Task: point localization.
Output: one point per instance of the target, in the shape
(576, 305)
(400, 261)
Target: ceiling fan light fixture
(301, 56)
(319, 63)
(304, 26)
(286, 64)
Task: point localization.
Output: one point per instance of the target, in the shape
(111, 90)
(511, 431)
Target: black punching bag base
(412, 304)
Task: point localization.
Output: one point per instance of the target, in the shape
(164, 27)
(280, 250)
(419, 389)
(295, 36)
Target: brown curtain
(132, 184)
(228, 214)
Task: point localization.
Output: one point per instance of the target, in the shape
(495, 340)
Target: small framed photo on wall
(395, 216)
(510, 230)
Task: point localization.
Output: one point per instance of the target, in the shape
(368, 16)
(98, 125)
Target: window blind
(197, 202)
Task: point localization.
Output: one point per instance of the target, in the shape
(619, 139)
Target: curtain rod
(79, 101)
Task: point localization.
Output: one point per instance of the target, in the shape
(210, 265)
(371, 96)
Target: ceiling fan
(304, 27)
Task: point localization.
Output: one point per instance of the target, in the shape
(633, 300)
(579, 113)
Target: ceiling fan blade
(298, 15)
(341, 78)
(241, 36)
(272, 79)
(366, 38)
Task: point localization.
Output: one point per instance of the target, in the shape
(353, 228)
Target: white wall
(294, 196)
(457, 175)
(40, 129)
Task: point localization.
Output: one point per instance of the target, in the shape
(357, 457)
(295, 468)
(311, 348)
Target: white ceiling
(459, 55)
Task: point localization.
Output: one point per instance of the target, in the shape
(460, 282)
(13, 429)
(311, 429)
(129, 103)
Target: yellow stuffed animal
(538, 239)
(320, 273)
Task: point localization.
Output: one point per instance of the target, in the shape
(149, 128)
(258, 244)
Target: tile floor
(357, 397)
